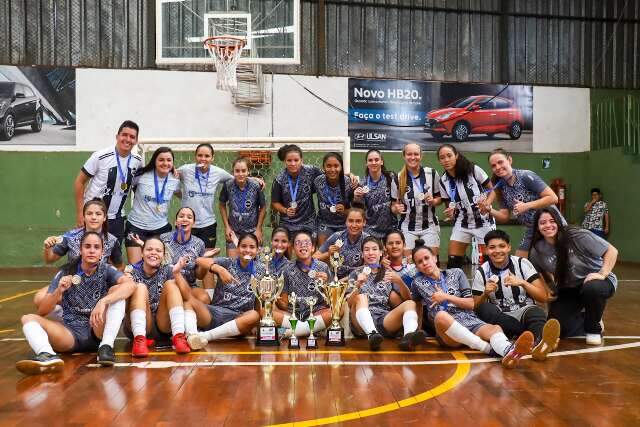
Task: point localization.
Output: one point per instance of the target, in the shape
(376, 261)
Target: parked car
(19, 106)
(473, 115)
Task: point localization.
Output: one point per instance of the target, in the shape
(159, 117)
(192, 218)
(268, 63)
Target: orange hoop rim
(212, 41)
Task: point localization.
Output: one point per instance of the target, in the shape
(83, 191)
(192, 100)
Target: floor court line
(16, 296)
(164, 364)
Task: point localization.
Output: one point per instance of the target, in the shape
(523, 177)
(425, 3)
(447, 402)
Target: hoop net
(225, 52)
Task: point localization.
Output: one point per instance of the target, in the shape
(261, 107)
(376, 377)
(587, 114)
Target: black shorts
(85, 340)
(208, 235)
(116, 227)
(142, 234)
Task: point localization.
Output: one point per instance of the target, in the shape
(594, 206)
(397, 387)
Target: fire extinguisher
(560, 188)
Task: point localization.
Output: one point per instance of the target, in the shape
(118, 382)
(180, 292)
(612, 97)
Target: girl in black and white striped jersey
(382, 303)
(463, 187)
(374, 194)
(418, 195)
(93, 295)
(334, 193)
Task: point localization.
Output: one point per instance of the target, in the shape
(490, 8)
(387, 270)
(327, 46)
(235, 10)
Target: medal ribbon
(243, 193)
(443, 286)
(198, 179)
(453, 189)
(374, 265)
(179, 230)
(304, 267)
(370, 182)
(123, 176)
(331, 195)
(418, 180)
(250, 268)
(292, 190)
(159, 194)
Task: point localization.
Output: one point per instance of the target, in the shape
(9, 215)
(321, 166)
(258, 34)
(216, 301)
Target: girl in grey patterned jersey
(334, 193)
(448, 295)
(156, 306)
(374, 193)
(280, 246)
(382, 303)
(300, 279)
(233, 308)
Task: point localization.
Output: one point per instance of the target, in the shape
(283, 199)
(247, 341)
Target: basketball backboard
(271, 27)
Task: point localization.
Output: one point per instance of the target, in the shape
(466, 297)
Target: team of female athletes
(384, 225)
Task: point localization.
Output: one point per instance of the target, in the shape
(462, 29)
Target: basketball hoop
(225, 52)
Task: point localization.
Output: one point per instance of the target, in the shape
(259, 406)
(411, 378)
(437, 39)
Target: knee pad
(455, 261)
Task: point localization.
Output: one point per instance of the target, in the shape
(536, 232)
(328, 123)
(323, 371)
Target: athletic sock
(409, 322)
(138, 322)
(460, 334)
(285, 322)
(363, 315)
(229, 329)
(176, 317)
(190, 322)
(115, 314)
(302, 329)
(37, 338)
(500, 343)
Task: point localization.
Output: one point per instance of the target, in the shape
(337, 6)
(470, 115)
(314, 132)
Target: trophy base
(267, 336)
(312, 343)
(335, 337)
(294, 343)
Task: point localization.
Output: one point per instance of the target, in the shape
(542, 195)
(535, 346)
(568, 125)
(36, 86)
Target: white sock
(363, 315)
(210, 293)
(138, 322)
(115, 314)
(409, 322)
(37, 338)
(229, 329)
(285, 322)
(190, 322)
(500, 343)
(302, 329)
(460, 334)
(176, 317)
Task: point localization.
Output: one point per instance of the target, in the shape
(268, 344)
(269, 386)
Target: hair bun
(419, 243)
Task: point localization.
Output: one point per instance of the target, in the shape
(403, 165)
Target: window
(27, 91)
(503, 103)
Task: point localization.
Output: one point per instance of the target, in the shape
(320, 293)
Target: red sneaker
(151, 342)
(139, 348)
(180, 344)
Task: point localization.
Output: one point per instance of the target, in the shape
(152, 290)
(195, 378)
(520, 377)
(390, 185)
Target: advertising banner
(387, 114)
(37, 105)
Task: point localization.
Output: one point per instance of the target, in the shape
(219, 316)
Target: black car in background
(19, 106)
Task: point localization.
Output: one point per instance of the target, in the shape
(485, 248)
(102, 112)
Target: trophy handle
(254, 286)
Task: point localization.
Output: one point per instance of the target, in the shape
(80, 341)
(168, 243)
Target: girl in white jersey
(199, 184)
(418, 193)
(154, 186)
(463, 187)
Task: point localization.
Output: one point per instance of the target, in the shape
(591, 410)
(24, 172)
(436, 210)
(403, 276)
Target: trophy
(267, 289)
(335, 294)
(293, 320)
(312, 344)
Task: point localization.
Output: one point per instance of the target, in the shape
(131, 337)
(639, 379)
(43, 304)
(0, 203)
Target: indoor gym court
(314, 73)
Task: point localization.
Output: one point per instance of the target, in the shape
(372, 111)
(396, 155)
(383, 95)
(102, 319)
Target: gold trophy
(312, 344)
(267, 289)
(293, 321)
(335, 294)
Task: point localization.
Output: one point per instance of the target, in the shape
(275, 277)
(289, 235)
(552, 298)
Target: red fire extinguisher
(560, 188)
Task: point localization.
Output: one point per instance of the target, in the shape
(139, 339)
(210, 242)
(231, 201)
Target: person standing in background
(596, 214)
(109, 175)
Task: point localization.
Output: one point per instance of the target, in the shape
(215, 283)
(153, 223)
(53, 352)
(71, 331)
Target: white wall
(561, 120)
(187, 104)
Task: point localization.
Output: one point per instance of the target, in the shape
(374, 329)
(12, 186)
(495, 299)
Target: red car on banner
(479, 114)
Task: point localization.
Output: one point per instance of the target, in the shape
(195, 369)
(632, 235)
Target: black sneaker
(43, 363)
(405, 342)
(106, 356)
(375, 341)
(411, 340)
(418, 337)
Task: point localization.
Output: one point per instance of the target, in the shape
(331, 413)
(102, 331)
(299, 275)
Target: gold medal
(158, 209)
(124, 186)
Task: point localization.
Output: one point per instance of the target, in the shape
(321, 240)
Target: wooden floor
(235, 384)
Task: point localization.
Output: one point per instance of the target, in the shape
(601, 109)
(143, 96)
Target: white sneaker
(197, 341)
(594, 339)
(601, 326)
